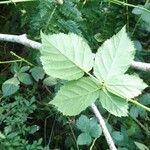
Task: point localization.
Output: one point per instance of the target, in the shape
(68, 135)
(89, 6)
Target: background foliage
(26, 119)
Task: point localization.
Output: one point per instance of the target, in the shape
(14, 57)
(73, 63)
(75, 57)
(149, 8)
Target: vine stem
(50, 18)
(104, 127)
(20, 58)
(139, 19)
(127, 4)
(91, 147)
(74, 137)
(140, 105)
(136, 25)
(10, 61)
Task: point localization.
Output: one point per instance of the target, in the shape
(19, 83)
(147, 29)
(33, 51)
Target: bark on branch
(104, 127)
(141, 66)
(21, 39)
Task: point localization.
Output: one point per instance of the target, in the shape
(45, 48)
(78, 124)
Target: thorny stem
(104, 127)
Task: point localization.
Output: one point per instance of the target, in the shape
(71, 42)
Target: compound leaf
(65, 56)
(76, 96)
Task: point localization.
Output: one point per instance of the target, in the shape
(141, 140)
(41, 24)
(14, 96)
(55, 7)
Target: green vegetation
(86, 55)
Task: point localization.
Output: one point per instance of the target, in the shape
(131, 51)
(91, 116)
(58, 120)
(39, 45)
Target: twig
(104, 128)
(21, 39)
(141, 66)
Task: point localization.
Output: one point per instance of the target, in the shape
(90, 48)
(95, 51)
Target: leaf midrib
(114, 60)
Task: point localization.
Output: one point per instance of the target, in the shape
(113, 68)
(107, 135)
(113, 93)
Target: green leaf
(2, 136)
(141, 146)
(117, 136)
(1, 110)
(114, 57)
(24, 69)
(113, 104)
(34, 129)
(37, 73)
(10, 86)
(122, 148)
(89, 126)
(25, 78)
(50, 81)
(145, 99)
(76, 96)
(94, 130)
(83, 123)
(138, 11)
(146, 26)
(65, 56)
(84, 139)
(134, 112)
(145, 15)
(138, 45)
(127, 86)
